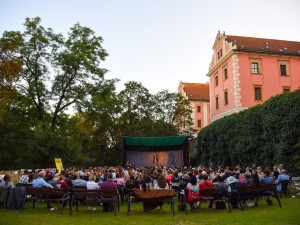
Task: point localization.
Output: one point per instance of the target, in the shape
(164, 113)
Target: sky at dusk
(159, 42)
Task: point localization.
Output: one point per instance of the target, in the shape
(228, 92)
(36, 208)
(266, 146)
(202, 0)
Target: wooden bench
(95, 195)
(206, 194)
(152, 198)
(48, 194)
(255, 191)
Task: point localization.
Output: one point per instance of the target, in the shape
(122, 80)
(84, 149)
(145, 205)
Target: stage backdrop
(165, 151)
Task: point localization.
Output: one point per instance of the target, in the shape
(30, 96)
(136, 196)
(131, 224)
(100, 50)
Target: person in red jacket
(206, 183)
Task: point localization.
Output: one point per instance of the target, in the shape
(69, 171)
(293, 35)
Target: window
(283, 67)
(257, 93)
(286, 89)
(220, 53)
(255, 66)
(217, 102)
(199, 123)
(216, 80)
(283, 70)
(225, 75)
(198, 108)
(226, 97)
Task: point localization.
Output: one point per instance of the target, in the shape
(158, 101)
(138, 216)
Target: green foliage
(60, 73)
(264, 134)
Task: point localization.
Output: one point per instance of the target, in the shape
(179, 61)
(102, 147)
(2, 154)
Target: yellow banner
(59, 165)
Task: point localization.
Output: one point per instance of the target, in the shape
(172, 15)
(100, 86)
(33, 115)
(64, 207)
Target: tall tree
(58, 72)
(10, 70)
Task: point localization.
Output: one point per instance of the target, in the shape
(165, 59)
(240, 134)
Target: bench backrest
(256, 189)
(45, 191)
(94, 193)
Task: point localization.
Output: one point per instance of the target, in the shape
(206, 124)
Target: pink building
(198, 96)
(247, 71)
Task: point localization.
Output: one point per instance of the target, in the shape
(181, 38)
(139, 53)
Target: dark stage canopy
(155, 141)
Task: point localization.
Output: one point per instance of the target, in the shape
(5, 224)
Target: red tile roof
(265, 45)
(196, 91)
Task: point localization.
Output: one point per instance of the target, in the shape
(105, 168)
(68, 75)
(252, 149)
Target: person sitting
(232, 195)
(206, 183)
(242, 180)
(183, 182)
(146, 184)
(267, 180)
(175, 182)
(193, 192)
(282, 177)
(108, 185)
(119, 180)
(248, 177)
(192, 183)
(40, 183)
(51, 181)
(67, 178)
(7, 182)
(220, 191)
(255, 182)
(275, 172)
(91, 184)
(30, 178)
(56, 177)
(131, 183)
(63, 183)
(161, 183)
(24, 178)
(79, 182)
(6, 187)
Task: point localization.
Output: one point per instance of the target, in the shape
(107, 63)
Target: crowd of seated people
(178, 178)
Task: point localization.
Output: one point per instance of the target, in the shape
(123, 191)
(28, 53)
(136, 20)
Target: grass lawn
(263, 214)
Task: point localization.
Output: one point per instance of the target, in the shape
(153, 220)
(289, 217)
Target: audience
(177, 178)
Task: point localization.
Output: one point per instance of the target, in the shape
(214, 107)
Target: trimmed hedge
(264, 134)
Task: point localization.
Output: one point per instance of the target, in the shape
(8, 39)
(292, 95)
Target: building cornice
(250, 52)
(264, 53)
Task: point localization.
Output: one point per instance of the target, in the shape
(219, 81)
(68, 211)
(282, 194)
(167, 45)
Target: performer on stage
(155, 159)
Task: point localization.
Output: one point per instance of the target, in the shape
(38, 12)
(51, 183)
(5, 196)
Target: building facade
(198, 95)
(247, 71)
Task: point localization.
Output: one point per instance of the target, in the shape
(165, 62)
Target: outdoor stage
(156, 151)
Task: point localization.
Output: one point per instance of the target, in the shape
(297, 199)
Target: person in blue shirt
(40, 183)
(281, 177)
(267, 179)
